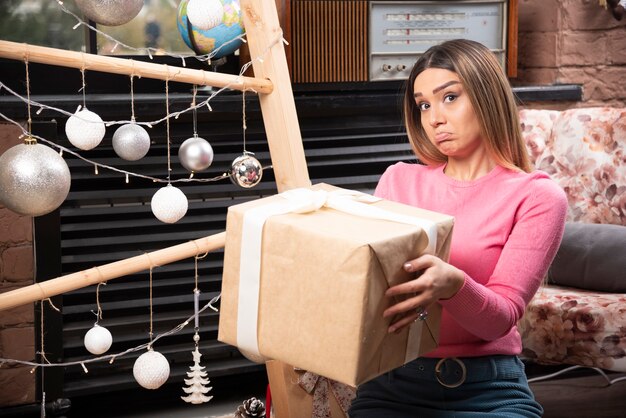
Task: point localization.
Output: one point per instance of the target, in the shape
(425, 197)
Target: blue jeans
(492, 386)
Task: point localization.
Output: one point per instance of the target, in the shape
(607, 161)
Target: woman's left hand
(439, 280)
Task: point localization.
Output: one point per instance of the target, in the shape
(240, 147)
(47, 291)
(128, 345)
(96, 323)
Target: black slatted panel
(348, 143)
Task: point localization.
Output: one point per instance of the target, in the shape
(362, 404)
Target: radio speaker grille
(329, 41)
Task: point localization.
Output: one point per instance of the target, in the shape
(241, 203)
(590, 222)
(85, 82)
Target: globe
(214, 39)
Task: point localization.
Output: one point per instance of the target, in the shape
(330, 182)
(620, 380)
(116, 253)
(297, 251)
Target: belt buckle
(450, 385)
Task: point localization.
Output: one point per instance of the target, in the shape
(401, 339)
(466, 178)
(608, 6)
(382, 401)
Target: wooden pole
(72, 59)
(279, 109)
(283, 136)
(95, 275)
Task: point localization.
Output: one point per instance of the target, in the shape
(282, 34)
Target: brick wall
(17, 336)
(573, 42)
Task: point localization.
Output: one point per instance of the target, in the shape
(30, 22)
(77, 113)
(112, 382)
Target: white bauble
(195, 154)
(34, 179)
(205, 14)
(169, 204)
(98, 340)
(131, 142)
(110, 12)
(151, 369)
(85, 129)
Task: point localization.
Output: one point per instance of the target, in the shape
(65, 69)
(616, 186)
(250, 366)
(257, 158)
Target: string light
(112, 357)
(163, 119)
(111, 168)
(147, 50)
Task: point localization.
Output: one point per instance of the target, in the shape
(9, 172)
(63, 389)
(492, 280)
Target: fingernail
(407, 266)
(391, 330)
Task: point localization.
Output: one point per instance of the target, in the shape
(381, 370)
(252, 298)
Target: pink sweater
(508, 226)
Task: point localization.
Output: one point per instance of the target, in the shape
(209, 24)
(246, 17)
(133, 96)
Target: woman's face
(447, 115)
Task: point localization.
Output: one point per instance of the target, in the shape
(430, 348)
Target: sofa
(578, 317)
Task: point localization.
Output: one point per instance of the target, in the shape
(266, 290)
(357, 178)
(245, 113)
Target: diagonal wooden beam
(113, 65)
(106, 272)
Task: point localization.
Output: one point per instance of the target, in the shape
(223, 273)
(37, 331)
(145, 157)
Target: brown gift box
(297, 402)
(322, 284)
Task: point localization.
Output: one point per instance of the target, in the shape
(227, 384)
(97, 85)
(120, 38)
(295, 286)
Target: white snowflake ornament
(151, 369)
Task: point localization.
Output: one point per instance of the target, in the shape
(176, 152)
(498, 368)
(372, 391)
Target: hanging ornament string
(30, 120)
(167, 126)
(99, 313)
(195, 110)
(132, 97)
(243, 119)
(151, 333)
(83, 88)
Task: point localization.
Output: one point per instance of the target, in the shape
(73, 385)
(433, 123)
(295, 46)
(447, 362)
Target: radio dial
(386, 67)
(401, 67)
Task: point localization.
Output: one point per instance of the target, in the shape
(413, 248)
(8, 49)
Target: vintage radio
(367, 41)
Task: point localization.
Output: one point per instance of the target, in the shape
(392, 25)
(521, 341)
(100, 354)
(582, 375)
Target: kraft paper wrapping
(301, 402)
(322, 285)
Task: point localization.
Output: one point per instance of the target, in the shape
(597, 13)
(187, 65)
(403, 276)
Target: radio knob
(401, 67)
(386, 67)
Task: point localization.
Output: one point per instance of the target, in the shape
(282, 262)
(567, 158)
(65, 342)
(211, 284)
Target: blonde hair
(491, 97)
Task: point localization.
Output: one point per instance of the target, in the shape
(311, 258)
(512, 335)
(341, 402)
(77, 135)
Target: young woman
(462, 122)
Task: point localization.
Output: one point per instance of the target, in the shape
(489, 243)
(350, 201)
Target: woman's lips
(442, 136)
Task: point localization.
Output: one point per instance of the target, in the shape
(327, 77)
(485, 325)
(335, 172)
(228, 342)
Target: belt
(452, 372)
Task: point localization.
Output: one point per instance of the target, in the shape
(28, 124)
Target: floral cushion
(574, 326)
(584, 151)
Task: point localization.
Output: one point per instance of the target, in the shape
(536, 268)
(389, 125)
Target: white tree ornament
(197, 382)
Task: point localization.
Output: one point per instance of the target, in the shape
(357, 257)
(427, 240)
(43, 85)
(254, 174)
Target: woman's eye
(450, 97)
(423, 106)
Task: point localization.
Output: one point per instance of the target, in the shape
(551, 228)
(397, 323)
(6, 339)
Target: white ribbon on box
(299, 201)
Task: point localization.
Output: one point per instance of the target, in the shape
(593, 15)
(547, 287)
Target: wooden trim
(512, 39)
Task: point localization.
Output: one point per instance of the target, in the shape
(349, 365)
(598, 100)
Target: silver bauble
(151, 369)
(85, 129)
(169, 204)
(246, 171)
(131, 142)
(205, 14)
(110, 12)
(195, 154)
(34, 179)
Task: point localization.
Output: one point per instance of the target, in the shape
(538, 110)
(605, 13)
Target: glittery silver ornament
(85, 129)
(34, 179)
(169, 204)
(205, 14)
(110, 12)
(131, 142)
(195, 154)
(246, 171)
(151, 369)
(98, 340)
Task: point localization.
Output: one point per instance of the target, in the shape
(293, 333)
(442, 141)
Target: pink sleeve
(490, 311)
(382, 188)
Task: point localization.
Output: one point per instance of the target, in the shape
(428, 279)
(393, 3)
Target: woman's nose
(436, 116)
